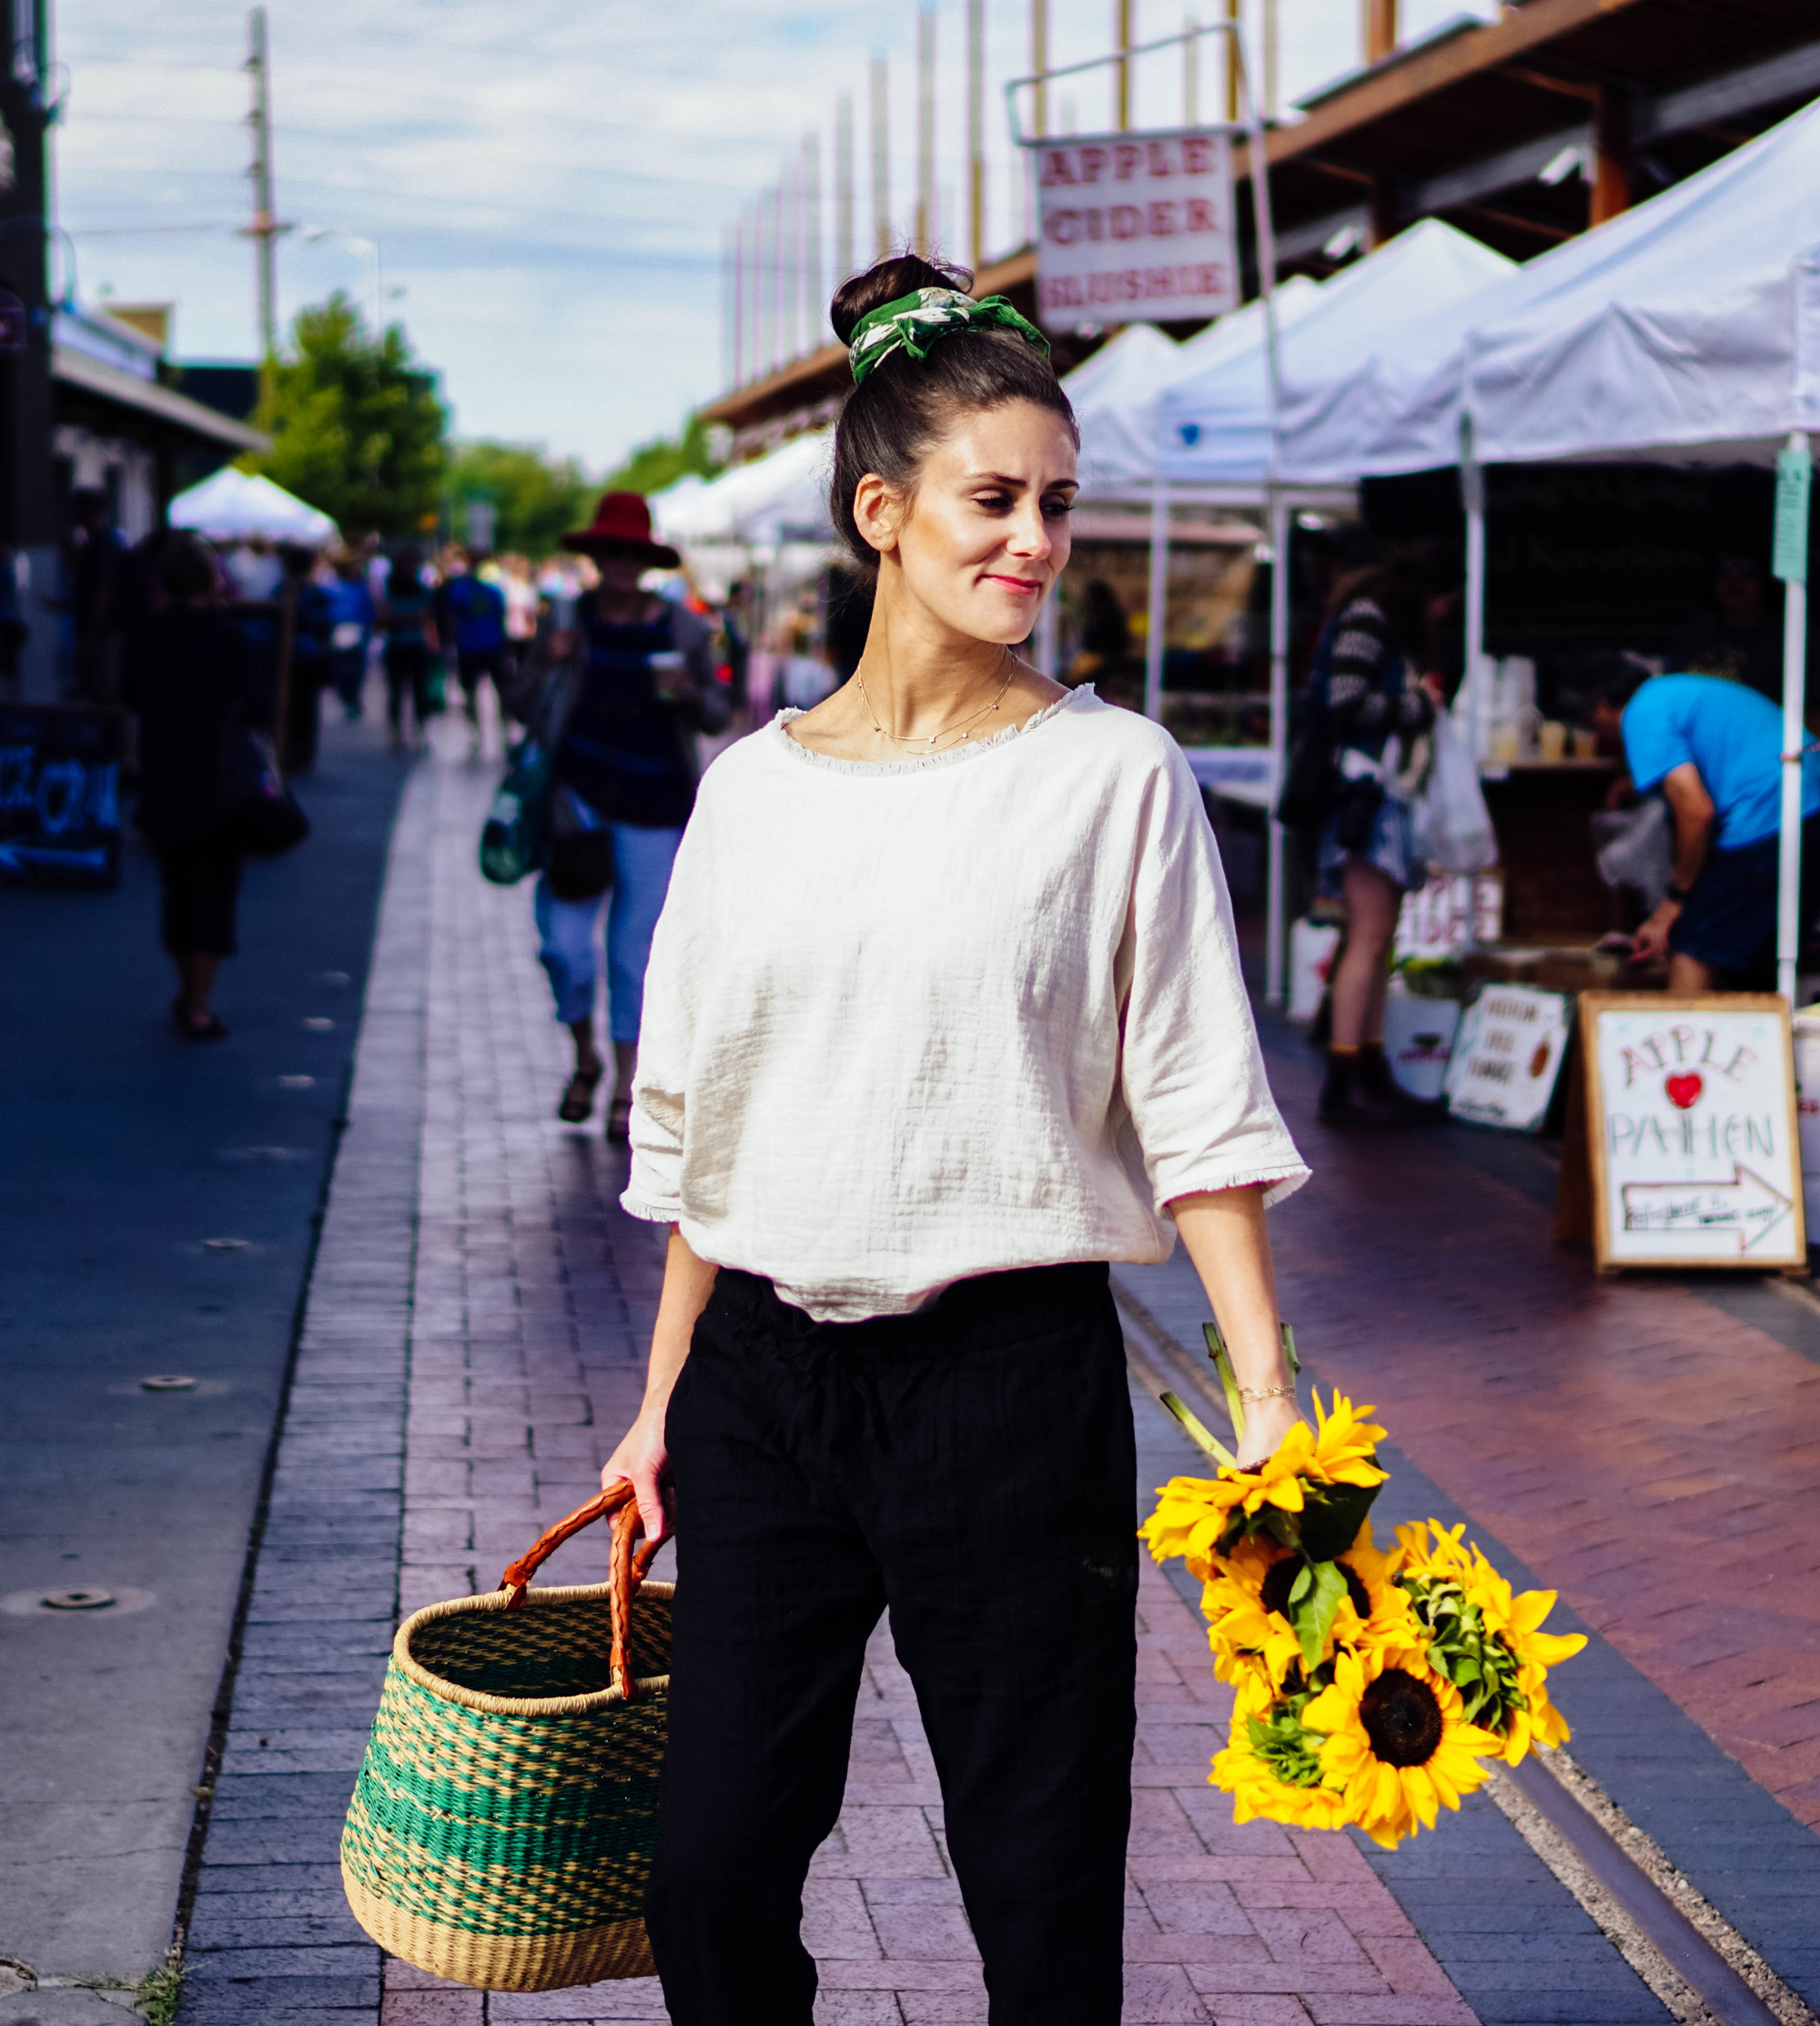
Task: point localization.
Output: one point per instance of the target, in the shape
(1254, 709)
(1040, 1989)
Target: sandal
(619, 1121)
(578, 1095)
(215, 1029)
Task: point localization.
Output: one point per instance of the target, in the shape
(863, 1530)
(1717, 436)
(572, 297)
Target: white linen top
(913, 1022)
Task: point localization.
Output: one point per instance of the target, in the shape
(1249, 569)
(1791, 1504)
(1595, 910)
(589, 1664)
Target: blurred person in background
(1737, 637)
(254, 570)
(352, 614)
(518, 585)
(312, 625)
(92, 566)
(407, 622)
(190, 674)
(470, 620)
(1368, 670)
(639, 674)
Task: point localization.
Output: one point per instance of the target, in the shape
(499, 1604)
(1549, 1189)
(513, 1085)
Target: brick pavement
(473, 1339)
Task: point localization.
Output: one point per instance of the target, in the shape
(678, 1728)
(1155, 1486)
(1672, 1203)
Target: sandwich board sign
(1135, 229)
(1506, 1058)
(1692, 1127)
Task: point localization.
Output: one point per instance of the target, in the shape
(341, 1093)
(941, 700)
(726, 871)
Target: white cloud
(548, 182)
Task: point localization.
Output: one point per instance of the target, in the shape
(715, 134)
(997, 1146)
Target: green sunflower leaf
(1312, 1609)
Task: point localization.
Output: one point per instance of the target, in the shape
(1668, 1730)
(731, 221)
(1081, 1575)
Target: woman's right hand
(643, 1457)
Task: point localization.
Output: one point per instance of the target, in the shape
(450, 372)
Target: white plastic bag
(1452, 825)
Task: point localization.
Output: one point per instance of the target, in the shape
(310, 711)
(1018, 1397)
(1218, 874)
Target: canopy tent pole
(1794, 474)
(1275, 927)
(1157, 607)
(1047, 640)
(1472, 498)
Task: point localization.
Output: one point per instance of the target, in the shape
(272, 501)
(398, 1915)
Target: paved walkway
(473, 1345)
(125, 1151)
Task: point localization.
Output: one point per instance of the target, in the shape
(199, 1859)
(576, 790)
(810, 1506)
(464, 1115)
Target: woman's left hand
(1266, 1422)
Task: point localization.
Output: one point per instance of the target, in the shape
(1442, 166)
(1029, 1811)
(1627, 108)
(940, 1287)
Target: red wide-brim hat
(622, 524)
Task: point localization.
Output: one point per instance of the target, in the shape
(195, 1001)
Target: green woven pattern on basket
(501, 1825)
(492, 1653)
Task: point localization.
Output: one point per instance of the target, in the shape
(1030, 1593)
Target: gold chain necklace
(899, 738)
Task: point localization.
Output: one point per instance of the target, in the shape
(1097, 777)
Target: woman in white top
(943, 1014)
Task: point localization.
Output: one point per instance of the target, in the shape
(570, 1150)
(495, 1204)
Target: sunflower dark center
(1277, 1584)
(1402, 1719)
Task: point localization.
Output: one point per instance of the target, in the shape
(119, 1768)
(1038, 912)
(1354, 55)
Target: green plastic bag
(514, 839)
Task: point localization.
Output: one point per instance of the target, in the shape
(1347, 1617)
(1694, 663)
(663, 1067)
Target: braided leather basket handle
(626, 1567)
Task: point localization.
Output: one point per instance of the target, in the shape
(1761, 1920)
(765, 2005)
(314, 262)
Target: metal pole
(1048, 627)
(843, 187)
(1235, 62)
(976, 129)
(1039, 63)
(926, 127)
(1124, 31)
(779, 328)
(1794, 473)
(1272, 67)
(1472, 498)
(1191, 71)
(881, 157)
(264, 229)
(1159, 602)
(815, 306)
(1275, 930)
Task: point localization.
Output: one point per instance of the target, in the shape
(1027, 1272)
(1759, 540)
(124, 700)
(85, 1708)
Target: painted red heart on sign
(1683, 1092)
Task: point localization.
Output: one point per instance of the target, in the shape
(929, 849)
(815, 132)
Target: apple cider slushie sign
(1691, 1117)
(1135, 229)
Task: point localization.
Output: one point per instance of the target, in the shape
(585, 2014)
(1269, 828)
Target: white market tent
(1116, 393)
(239, 506)
(1214, 427)
(1684, 330)
(779, 497)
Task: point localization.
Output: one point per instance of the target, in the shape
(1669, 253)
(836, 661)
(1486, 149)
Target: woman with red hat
(639, 678)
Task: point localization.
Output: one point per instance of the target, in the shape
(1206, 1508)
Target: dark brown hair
(895, 418)
(185, 569)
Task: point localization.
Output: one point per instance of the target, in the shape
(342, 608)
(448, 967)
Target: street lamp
(355, 243)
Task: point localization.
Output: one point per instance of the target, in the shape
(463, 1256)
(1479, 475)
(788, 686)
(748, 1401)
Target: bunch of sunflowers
(1372, 1687)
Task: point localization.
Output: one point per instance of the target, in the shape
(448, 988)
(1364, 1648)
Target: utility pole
(1039, 112)
(1191, 71)
(1232, 63)
(976, 129)
(265, 228)
(1270, 59)
(926, 127)
(843, 187)
(739, 303)
(881, 157)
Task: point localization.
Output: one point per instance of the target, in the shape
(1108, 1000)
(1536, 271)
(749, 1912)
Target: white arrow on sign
(1747, 1205)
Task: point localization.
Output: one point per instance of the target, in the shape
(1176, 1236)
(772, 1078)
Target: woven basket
(502, 1829)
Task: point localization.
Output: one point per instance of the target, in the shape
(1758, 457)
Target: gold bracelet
(1268, 1392)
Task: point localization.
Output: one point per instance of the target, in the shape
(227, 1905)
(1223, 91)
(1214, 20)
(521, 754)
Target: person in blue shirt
(472, 619)
(1713, 749)
(352, 617)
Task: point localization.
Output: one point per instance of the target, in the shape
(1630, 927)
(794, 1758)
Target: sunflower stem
(1199, 1435)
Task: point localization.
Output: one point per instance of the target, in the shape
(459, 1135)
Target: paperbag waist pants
(971, 1469)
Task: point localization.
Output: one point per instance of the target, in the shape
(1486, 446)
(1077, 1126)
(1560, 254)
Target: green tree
(652, 466)
(357, 427)
(537, 497)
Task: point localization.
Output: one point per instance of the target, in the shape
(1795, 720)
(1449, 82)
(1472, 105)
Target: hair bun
(901, 275)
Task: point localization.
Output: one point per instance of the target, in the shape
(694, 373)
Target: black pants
(201, 888)
(972, 1468)
(408, 673)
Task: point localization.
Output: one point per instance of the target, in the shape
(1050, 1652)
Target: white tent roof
(1116, 405)
(779, 497)
(1213, 426)
(1688, 327)
(235, 506)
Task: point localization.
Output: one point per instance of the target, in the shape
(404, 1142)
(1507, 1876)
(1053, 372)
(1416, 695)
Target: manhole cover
(226, 1244)
(78, 1600)
(318, 1023)
(168, 1381)
(296, 1083)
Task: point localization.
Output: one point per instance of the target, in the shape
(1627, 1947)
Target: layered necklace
(963, 727)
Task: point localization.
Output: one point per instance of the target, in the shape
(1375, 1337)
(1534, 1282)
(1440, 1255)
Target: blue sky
(546, 183)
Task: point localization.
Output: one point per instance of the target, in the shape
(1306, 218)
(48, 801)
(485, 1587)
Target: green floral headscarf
(916, 322)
